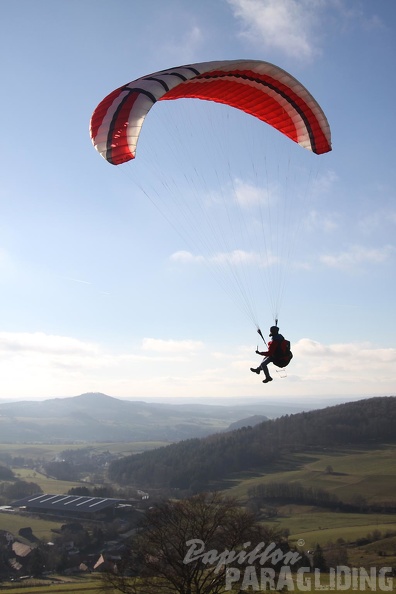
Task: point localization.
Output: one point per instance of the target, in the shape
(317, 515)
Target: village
(91, 538)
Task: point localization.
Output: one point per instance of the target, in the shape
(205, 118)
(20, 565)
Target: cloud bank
(285, 25)
(56, 366)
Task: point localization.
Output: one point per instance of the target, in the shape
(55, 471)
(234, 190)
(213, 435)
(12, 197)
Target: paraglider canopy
(221, 195)
(259, 88)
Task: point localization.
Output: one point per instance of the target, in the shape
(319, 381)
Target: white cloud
(237, 257)
(77, 280)
(358, 255)
(286, 25)
(39, 342)
(324, 221)
(353, 15)
(43, 365)
(361, 364)
(324, 183)
(40, 366)
(296, 27)
(184, 50)
(185, 257)
(248, 195)
(171, 346)
(234, 257)
(377, 220)
(312, 348)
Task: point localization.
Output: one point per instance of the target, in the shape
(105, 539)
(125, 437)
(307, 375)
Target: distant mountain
(98, 417)
(197, 464)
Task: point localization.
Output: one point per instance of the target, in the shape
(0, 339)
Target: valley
(337, 498)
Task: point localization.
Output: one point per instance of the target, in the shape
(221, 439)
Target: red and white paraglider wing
(258, 88)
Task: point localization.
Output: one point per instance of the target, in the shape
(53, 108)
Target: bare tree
(183, 547)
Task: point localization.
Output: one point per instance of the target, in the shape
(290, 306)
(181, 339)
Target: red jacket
(273, 346)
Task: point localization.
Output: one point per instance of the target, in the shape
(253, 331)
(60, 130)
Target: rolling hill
(96, 417)
(199, 464)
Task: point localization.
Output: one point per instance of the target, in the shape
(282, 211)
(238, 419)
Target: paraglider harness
(283, 354)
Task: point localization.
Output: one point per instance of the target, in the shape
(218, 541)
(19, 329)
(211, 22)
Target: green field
(305, 582)
(47, 484)
(370, 473)
(53, 585)
(316, 526)
(38, 451)
(41, 528)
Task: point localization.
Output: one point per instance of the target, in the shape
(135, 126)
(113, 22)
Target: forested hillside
(195, 463)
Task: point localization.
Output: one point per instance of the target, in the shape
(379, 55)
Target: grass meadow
(47, 484)
(55, 585)
(370, 473)
(42, 528)
(43, 451)
(307, 582)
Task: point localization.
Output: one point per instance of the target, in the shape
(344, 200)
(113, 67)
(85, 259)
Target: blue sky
(99, 292)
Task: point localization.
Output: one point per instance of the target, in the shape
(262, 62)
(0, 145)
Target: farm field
(45, 451)
(348, 473)
(55, 585)
(321, 526)
(47, 484)
(307, 582)
(311, 526)
(41, 528)
(370, 473)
